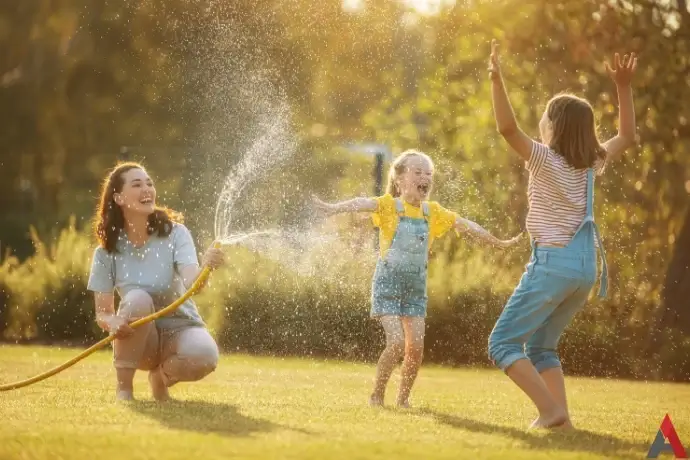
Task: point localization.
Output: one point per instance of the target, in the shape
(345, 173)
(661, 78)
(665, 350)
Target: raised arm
(476, 231)
(503, 111)
(354, 205)
(621, 74)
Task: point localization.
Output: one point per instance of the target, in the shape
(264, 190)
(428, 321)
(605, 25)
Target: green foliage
(640, 201)
(5, 293)
(318, 305)
(48, 290)
(83, 79)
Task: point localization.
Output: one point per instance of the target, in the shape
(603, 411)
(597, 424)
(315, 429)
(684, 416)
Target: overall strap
(604, 280)
(400, 211)
(399, 207)
(425, 210)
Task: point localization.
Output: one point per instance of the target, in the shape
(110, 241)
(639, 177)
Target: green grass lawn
(290, 408)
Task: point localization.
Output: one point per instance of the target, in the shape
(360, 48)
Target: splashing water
(248, 113)
(272, 148)
(301, 247)
(240, 237)
(247, 122)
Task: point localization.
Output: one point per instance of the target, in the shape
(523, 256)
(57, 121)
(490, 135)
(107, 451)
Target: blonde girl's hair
(398, 168)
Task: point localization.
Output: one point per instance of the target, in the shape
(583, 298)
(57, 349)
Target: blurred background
(191, 88)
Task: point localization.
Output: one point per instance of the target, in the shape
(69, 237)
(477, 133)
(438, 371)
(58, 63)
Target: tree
(676, 294)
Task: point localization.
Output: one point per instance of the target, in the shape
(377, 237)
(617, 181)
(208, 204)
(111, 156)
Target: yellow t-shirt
(386, 219)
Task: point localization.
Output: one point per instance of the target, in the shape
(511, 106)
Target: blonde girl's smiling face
(416, 180)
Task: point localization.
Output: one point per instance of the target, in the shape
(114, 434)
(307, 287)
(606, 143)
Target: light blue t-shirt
(155, 268)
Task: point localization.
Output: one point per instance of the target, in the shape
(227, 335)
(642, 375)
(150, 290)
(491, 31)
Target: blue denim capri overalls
(554, 287)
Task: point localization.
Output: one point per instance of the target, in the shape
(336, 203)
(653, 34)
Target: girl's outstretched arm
(621, 73)
(362, 204)
(503, 111)
(475, 230)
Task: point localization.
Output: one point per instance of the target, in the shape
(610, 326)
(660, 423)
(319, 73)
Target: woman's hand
(213, 258)
(119, 326)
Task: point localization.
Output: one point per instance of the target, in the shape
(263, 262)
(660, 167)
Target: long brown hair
(398, 167)
(109, 219)
(574, 131)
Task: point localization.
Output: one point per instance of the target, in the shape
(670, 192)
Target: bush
(67, 310)
(261, 306)
(49, 288)
(269, 301)
(6, 267)
(67, 313)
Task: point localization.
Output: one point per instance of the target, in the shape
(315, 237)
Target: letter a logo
(667, 431)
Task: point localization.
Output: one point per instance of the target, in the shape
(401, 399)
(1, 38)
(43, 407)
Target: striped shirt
(557, 195)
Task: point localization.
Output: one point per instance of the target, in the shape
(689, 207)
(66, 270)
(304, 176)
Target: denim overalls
(399, 286)
(554, 287)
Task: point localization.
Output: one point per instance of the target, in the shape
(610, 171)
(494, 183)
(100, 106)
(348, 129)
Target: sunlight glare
(423, 7)
(428, 7)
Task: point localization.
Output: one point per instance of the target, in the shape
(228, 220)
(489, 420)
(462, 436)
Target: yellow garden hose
(201, 279)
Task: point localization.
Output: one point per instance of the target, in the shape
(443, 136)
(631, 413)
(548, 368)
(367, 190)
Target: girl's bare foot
(124, 395)
(376, 400)
(403, 404)
(159, 389)
(557, 420)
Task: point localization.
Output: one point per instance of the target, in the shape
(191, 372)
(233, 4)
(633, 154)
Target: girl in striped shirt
(563, 266)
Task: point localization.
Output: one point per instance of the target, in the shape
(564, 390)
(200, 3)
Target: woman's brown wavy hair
(109, 219)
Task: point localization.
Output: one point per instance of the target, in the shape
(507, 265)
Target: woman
(150, 259)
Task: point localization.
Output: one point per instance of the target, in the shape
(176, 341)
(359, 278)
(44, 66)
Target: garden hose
(201, 279)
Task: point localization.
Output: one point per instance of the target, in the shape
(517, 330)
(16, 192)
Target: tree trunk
(676, 294)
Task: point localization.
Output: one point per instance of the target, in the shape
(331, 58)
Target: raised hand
(494, 64)
(622, 71)
(321, 206)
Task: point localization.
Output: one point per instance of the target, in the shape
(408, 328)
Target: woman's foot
(159, 389)
(124, 390)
